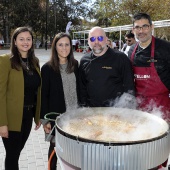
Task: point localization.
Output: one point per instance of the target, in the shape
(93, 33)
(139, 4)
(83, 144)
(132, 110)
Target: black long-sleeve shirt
(31, 84)
(162, 58)
(104, 78)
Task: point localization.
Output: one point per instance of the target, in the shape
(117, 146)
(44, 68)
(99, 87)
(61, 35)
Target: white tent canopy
(157, 24)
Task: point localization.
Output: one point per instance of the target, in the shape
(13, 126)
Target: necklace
(26, 66)
(25, 63)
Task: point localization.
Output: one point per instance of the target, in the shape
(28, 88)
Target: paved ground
(34, 155)
(44, 55)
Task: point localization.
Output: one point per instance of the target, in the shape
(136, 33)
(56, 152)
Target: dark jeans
(53, 162)
(16, 141)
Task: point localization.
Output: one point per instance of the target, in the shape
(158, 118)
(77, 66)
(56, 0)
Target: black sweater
(52, 93)
(31, 84)
(104, 78)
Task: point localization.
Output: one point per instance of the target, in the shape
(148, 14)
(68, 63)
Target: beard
(99, 50)
(143, 37)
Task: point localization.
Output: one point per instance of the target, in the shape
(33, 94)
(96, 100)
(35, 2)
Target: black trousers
(16, 141)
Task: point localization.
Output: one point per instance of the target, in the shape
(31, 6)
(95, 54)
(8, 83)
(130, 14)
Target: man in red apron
(150, 58)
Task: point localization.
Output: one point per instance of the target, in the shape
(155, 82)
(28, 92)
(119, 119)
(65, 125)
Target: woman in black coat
(59, 85)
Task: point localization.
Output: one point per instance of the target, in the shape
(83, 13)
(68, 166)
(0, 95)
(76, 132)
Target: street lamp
(46, 28)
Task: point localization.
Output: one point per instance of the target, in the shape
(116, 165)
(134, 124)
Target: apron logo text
(139, 76)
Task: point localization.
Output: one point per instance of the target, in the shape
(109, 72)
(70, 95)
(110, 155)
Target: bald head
(97, 41)
(98, 30)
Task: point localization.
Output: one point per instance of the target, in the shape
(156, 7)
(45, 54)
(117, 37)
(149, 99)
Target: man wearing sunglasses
(105, 74)
(150, 58)
(130, 40)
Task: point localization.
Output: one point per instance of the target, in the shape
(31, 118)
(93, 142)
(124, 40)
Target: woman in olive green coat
(20, 83)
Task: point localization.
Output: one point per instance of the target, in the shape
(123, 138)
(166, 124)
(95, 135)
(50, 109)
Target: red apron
(151, 93)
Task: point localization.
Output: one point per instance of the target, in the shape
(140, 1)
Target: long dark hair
(54, 60)
(15, 54)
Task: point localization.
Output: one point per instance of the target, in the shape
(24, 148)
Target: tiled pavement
(34, 155)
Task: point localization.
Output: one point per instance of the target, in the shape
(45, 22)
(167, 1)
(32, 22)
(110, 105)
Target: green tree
(15, 13)
(120, 12)
(105, 12)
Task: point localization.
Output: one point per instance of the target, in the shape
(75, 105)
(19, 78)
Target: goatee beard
(98, 51)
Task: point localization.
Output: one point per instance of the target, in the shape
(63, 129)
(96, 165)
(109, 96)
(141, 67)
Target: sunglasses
(99, 38)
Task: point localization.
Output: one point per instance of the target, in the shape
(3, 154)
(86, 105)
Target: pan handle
(51, 113)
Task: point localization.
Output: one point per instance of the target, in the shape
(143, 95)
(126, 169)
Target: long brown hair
(54, 60)
(15, 54)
